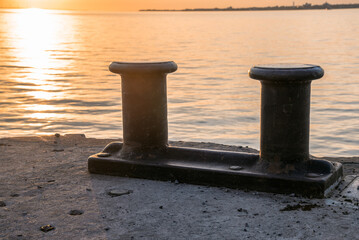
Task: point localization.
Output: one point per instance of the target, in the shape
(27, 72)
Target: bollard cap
(286, 72)
(143, 67)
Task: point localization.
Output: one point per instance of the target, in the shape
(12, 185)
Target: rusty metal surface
(286, 72)
(285, 110)
(144, 105)
(217, 168)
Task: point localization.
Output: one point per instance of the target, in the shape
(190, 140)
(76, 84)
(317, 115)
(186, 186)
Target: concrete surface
(44, 179)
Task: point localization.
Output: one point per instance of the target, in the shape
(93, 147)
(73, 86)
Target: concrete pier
(43, 183)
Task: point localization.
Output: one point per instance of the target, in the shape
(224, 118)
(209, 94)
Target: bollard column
(284, 164)
(285, 110)
(144, 105)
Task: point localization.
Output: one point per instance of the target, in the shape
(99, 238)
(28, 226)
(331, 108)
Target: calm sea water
(54, 71)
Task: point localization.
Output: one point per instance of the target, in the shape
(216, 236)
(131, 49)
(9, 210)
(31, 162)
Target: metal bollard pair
(284, 164)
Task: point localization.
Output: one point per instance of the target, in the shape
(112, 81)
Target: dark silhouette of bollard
(285, 109)
(144, 106)
(285, 122)
(283, 166)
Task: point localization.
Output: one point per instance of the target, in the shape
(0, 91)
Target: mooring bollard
(283, 166)
(285, 109)
(144, 105)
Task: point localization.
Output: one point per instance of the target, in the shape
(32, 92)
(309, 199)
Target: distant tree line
(302, 7)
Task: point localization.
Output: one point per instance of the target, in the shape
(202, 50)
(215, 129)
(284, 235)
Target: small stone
(52, 180)
(76, 212)
(307, 207)
(57, 135)
(58, 149)
(106, 229)
(117, 193)
(14, 195)
(88, 189)
(242, 210)
(161, 207)
(2, 204)
(47, 228)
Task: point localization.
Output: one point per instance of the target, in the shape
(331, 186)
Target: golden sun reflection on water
(34, 34)
(43, 95)
(46, 115)
(40, 107)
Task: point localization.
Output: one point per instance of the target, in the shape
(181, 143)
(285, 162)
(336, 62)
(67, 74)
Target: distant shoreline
(307, 6)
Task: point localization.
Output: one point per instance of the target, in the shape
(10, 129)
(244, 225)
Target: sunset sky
(134, 5)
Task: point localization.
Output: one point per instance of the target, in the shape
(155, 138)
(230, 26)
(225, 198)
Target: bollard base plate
(217, 168)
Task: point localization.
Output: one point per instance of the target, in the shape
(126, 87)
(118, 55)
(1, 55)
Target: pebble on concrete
(76, 212)
(117, 193)
(242, 210)
(307, 207)
(47, 228)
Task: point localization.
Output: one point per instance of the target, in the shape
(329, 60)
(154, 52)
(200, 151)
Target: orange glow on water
(38, 107)
(35, 31)
(33, 34)
(46, 115)
(54, 70)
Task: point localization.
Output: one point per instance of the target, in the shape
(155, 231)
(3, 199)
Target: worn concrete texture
(44, 182)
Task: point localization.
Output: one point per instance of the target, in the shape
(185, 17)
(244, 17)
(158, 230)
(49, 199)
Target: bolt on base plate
(218, 168)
